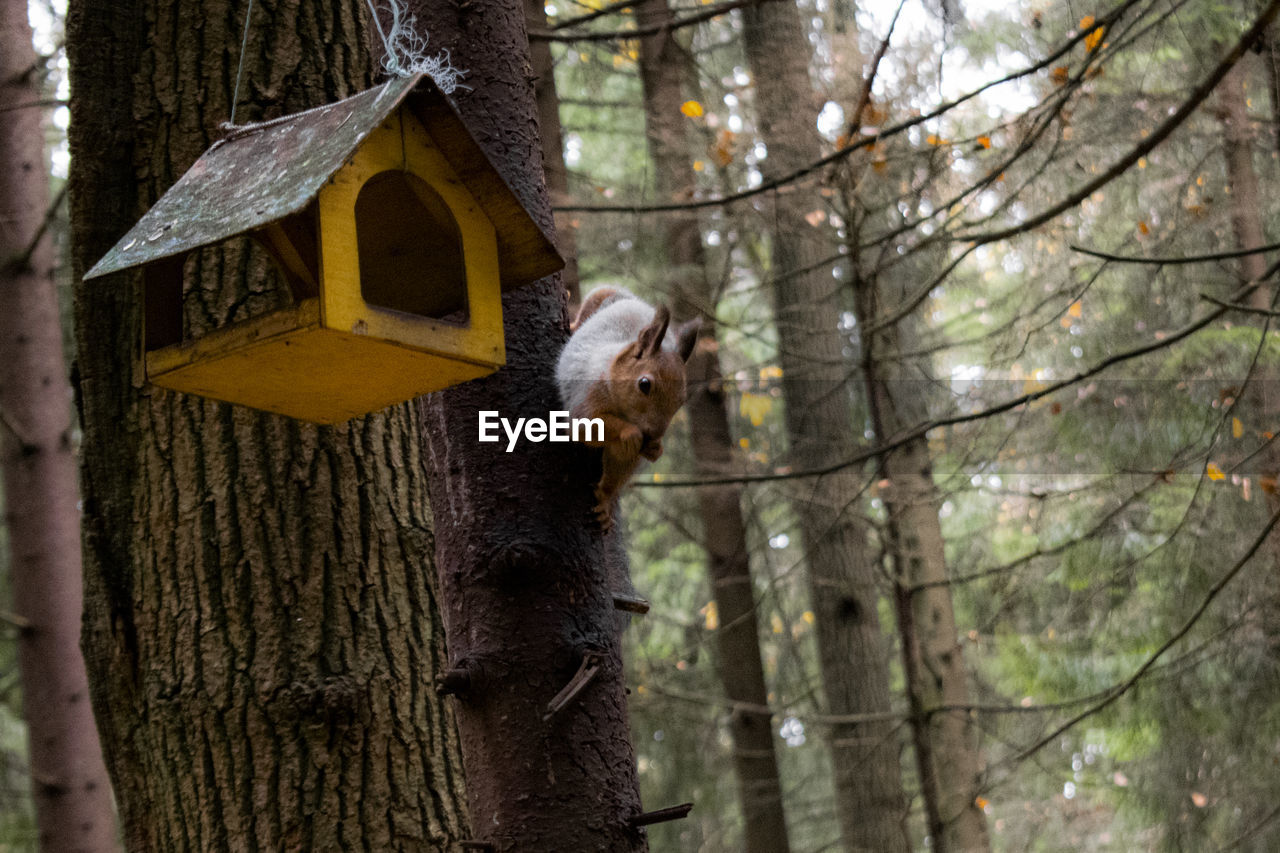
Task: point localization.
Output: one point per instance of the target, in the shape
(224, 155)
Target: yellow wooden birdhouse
(396, 237)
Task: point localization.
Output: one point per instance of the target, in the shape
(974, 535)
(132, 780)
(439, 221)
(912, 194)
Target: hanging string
(404, 54)
(244, 41)
(405, 51)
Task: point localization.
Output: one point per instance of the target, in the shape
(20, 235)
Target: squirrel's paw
(652, 450)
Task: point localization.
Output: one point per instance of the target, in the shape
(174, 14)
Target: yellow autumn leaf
(1086, 22)
(692, 109)
(1075, 310)
(1142, 162)
(744, 442)
(984, 141)
(755, 407)
(807, 616)
(1065, 322)
(1094, 38)
(1143, 228)
(1237, 428)
(934, 139)
(771, 372)
(699, 165)
(981, 802)
(1060, 75)
(775, 623)
(1213, 472)
(712, 616)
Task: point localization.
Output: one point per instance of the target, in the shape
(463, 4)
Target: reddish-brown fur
(634, 422)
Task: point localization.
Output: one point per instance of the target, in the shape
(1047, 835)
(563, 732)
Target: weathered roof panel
(268, 171)
(256, 175)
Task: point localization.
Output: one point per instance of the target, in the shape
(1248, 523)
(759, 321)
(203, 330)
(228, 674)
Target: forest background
(989, 498)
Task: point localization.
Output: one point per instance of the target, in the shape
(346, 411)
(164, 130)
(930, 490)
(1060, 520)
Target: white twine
(406, 50)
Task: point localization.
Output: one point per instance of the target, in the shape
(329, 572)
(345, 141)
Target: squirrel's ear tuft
(650, 337)
(687, 337)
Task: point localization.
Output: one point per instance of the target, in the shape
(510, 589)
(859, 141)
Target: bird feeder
(394, 233)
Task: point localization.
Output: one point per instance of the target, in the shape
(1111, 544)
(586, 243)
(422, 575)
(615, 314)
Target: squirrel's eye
(645, 384)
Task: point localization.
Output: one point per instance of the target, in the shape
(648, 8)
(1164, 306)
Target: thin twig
(1189, 106)
(23, 261)
(853, 145)
(997, 409)
(714, 11)
(1174, 261)
(1244, 309)
(44, 103)
(1126, 685)
(855, 123)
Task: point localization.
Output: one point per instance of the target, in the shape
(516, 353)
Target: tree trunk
(38, 466)
(820, 427)
(525, 575)
(261, 625)
(724, 531)
(549, 132)
(946, 741)
(1246, 200)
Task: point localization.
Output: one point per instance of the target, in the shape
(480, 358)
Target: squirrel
(621, 366)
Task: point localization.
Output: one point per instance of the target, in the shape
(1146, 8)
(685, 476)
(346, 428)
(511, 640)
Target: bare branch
(714, 11)
(1126, 685)
(1160, 134)
(1000, 408)
(22, 260)
(853, 145)
(1174, 261)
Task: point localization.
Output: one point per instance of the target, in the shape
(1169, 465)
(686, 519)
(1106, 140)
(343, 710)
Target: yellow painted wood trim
(302, 317)
(401, 143)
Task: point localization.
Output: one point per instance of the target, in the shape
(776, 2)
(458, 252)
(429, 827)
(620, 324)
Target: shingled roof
(262, 173)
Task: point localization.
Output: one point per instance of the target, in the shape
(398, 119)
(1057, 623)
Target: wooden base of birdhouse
(287, 362)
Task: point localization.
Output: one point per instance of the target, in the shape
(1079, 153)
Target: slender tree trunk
(38, 465)
(741, 672)
(1261, 401)
(946, 741)
(527, 583)
(557, 174)
(820, 427)
(261, 625)
(1246, 199)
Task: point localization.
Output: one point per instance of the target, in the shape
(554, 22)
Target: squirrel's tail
(597, 299)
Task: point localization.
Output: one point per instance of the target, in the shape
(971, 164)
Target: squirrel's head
(648, 382)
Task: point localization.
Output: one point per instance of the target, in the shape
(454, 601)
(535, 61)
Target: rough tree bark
(741, 673)
(37, 462)
(820, 427)
(526, 585)
(552, 138)
(261, 626)
(946, 741)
